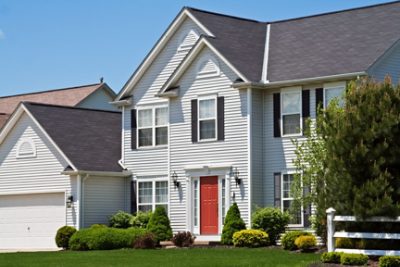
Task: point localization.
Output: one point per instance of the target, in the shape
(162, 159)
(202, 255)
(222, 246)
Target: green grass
(203, 257)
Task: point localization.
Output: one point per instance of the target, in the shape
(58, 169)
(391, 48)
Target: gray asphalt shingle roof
(322, 45)
(91, 139)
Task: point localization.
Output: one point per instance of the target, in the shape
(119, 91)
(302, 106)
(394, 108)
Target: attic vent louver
(187, 40)
(26, 148)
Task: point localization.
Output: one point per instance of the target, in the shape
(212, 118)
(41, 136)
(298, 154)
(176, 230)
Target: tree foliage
(351, 156)
(233, 223)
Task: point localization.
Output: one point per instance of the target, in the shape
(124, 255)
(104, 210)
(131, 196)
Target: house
(207, 119)
(58, 166)
(210, 114)
(89, 96)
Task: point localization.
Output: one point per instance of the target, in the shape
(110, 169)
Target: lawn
(203, 257)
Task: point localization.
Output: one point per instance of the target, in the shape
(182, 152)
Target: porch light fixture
(70, 199)
(236, 175)
(175, 179)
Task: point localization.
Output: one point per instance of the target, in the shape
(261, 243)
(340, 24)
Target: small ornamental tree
(159, 225)
(64, 235)
(351, 160)
(233, 223)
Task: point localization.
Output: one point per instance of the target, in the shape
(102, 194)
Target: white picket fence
(331, 219)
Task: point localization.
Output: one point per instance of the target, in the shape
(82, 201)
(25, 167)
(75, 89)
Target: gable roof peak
(221, 14)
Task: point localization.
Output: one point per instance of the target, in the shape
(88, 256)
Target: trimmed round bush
(159, 225)
(146, 241)
(121, 219)
(233, 223)
(305, 242)
(389, 261)
(105, 238)
(331, 257)
(251, 238)
(353, 259)
(64, 235)
(271, 220)
(344, 242)
(289, 238)
(141, 219)
(183, 239)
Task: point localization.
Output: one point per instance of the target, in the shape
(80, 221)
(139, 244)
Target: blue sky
(61, 43)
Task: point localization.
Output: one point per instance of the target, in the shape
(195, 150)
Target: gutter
(258, 85)
(119, 103)
(98, 173)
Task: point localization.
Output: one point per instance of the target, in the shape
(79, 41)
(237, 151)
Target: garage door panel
(31, 221)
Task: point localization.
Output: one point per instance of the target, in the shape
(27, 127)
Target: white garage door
(31, 221)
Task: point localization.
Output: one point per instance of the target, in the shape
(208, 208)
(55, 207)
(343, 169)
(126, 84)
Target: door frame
(192, 178)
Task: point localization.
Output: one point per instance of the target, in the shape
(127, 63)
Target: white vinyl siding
(35, 174)
(99, 100)
(388, 65)
(155, 160)
(104, 196)
(278, 153)
(233, 150)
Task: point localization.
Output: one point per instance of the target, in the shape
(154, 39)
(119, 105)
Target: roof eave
(99, 173)
(343, 76)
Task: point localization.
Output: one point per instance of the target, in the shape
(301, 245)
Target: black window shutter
(277, 114)
(277, 189)
(133, 197)
(194, 121)
(319, 99)
(307, 208)
(221, 118)
(305, 99)
(133, 128)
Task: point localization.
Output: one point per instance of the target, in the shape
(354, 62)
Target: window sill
(143, 148)
(292, 135)
(208, 141)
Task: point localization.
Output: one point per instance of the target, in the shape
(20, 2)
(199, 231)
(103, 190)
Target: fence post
(331, 229)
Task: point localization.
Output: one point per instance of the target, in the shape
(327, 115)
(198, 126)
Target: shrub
(63, 236)
(271, 220)
(305, 243)
(288, 239)
(141, 219)
(104, 238)
(146, 241)
(159, 225)
(344, 242)
(96, 226)
(389, 261)
(233, 223)
(250, 238)
(121, 219)
(353, 259)
(331, 257)
(183, 239)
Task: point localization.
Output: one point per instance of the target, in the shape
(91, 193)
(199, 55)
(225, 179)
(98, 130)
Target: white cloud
(2, 35)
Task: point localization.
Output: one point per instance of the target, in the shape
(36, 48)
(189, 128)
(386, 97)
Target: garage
(30, 221)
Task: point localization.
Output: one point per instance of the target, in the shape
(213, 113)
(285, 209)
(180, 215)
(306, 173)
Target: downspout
(121, 162)
(79, 193)
(249, 143)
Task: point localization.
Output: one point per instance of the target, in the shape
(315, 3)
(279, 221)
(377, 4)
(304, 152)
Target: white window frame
(291, 199)
(153, 188)
(153, 126)
(292, 90)
(330, 86)
(215, 118)
(21, 154)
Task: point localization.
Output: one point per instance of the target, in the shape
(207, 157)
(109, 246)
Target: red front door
(209, 205)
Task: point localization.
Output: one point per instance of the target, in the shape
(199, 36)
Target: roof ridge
(53, 90)
(223, 15)
(335, 12)
(68, 107)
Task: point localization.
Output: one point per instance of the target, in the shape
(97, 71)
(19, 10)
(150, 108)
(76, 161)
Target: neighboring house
(210, 114)
(58, 166)
(88, 96)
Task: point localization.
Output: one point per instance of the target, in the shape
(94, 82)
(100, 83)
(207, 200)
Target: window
(223, 199)
(152, 126)
(291, 112)
(26, 148)
(207, 119)
(196, 202)
(287, 200)
(334, 93)
(152, 194)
